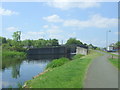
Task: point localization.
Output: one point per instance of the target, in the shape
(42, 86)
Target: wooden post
(112, 56)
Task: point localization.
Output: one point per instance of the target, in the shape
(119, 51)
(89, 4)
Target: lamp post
(107, 38)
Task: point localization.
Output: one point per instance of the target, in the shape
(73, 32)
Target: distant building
(111, 47)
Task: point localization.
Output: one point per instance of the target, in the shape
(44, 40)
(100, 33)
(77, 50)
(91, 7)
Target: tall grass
(57, 62)
(115, 62)
(12, 54)
(78, 56)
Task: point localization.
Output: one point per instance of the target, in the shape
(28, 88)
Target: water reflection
(47, 56)
(15, 71)
(10, 62)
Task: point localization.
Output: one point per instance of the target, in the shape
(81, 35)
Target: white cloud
(32, 35)
(68, 4)
(45, 26)
(53, 18)
(95, 41)
(35, 33)
(60, 0)
(117, 33)
(6, 12)
(72, 34)
(12, 29)
(53, 31)
(94, 21)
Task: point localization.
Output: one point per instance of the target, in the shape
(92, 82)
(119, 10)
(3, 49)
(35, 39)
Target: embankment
(69, 75)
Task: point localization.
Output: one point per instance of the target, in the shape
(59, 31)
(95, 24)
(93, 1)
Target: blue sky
(87, 22)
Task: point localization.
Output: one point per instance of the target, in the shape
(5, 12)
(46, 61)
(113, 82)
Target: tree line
(16, 44)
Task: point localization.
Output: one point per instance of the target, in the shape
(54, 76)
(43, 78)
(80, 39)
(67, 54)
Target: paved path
(101, 74)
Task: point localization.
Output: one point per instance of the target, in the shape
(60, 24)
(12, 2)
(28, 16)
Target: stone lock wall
(80, 50)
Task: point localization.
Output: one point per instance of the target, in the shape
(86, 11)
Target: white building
(111, 47)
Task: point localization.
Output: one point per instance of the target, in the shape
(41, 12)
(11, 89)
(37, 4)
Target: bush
(78, 56)
(13, 54)
(57, 62)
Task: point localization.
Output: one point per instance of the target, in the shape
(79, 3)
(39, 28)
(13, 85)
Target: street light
(107, 38)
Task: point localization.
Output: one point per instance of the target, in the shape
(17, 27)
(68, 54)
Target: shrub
(57, 62)
(13, 54)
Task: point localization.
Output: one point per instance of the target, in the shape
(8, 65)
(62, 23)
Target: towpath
(101, 74)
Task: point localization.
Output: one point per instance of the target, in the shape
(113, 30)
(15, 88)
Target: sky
(86, 21)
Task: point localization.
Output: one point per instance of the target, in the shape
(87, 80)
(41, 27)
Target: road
(101, 74)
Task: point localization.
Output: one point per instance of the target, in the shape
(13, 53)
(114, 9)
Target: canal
(16, 72)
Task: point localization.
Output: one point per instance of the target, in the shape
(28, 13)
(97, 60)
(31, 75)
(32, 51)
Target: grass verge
(57, 63)
(115, 62)
(114, 59)
(12, 54)
(69, 75)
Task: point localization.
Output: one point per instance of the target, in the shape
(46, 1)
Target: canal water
(14, 74)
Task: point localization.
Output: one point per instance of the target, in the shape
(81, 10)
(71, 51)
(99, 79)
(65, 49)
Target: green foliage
(73, 41)
(115, 62)
(40, 43)
(57, 62)
(78, 56)
(117, 44)
(12, 47)
(3, 40)
(12, 54)
(93, 47)
(22, 46)
(54, 42)
(16, 35)
(27, 42)
(19, 85)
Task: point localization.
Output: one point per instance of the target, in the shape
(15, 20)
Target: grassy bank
(57, 62)
(108, 53)
(69, 75)
(115, 62)
(12, 54)
(10, 58)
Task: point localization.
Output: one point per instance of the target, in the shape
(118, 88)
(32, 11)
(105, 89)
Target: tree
(3, 40)
(16, 35)
(73, 41)
(52, 42)
(27, 43)
(55, 42)
(85, 44)
(92, 46)
(118, 44)
(40, 43)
